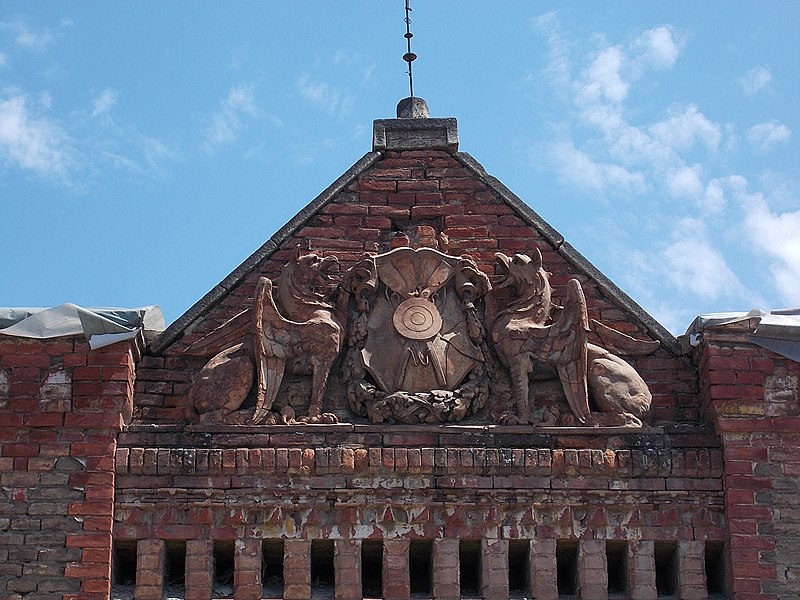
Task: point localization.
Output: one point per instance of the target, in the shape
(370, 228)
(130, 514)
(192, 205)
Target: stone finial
(412, 108)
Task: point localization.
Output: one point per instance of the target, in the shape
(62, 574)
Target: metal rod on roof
(409, 56)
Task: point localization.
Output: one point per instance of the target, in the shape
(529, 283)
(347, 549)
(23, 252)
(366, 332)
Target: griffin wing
(268, 327)
(621, 343)
(232, 331)
(568, 339)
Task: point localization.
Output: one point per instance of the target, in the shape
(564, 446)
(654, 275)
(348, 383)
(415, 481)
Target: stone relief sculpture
(531, 329)
(416, 346)
(261, 342)
(413, 326)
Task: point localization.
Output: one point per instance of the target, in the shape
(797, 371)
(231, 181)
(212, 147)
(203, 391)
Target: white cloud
(686, 182)
(659, 46)
(578, 168)
(612, 71)
(103, 102)
(558, 64)
(33, 143)
(306, 154)
(368, 73)
(683, 154)
(25, 38)
(681, 130)
(714, 198)
(778, 236)
(324, 96)
(46, 100)
(693, 265)
(755, 80)
(766, 135)
(226, 122)
(631, 156)
(242, 98)
(3, 59)
(603, 80)
(634, 146)
(345, 56)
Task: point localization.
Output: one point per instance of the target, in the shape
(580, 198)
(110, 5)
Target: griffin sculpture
(261, 342)
(531, 329)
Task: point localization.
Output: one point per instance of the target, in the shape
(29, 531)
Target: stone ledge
(415, 134)
(415, 436)
(390, 429)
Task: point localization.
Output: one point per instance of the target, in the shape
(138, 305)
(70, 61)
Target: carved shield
(417, 337)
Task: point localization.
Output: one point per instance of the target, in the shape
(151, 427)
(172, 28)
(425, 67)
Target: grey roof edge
(218, 292)
(658, 331)
(542, 226)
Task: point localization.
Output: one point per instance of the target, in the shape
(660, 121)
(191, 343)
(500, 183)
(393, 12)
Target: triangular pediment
(397, 346)
(416, 175)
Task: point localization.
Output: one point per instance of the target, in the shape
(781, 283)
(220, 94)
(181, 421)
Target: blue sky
(147, 148)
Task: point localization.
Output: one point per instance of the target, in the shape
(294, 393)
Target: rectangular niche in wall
(272, 568)
(469, 555)
(420, 563)
(123, 564)
(323, 577)
(175, 565)
(666, 569)
(715, 569)
(224, 568)
(372, 568)
(617, 562)
(518, 567)
(567, 567)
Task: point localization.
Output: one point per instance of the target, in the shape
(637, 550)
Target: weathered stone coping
(416, 436)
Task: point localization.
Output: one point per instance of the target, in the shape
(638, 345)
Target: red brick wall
(751, 394)
(61, 410)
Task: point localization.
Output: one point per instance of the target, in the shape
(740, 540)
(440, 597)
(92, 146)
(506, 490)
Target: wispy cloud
(676, 165)
(226, 122)
(324, 96)
(766, 135)
(660, 46)
(578, 168)
(559, 65)
(755, 80)
(694, 265)
(686, 182)
(627, 156)
(71, 153)
(306, 154)
(777, 235)
(103, 102)
(684, 128)
(26, 38)
(33, 142)
(602, 79)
